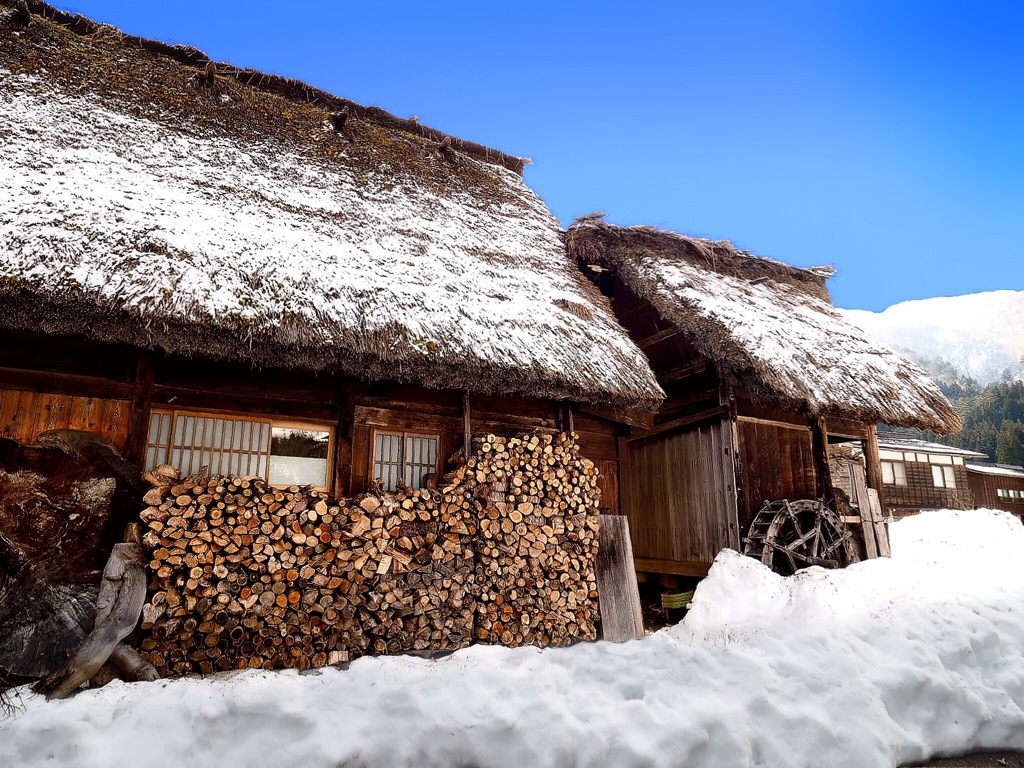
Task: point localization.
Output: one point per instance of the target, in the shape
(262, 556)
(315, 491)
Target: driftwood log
(118, 607)
(63, 505)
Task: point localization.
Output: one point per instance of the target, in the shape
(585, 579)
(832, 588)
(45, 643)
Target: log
(118, 607)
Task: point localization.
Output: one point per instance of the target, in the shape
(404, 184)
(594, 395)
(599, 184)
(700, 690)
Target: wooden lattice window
(281, 452)
(405, 456)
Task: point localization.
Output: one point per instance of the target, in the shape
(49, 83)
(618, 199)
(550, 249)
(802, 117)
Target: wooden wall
(920, 491)
(776, 461)
(984, 486)
(48, 383)
(413, 409)
(23, 415)
(679, 493)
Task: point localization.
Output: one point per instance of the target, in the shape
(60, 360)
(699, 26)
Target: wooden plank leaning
(619, 595)
(867, 512)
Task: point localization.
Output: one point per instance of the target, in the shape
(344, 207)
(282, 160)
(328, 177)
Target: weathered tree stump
(63, 505)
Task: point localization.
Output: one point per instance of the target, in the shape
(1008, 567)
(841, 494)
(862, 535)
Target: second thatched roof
(767, 327)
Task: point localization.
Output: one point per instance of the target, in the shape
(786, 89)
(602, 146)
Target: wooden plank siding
(680, 496)
(984, 489)
(920, 491)
(23, 415)
(43, 387)
(404, 408)
(776, 461)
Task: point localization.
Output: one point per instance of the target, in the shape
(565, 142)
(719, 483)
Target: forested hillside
(993, 415)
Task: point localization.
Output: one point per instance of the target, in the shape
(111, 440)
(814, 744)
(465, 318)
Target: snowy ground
(881, 664)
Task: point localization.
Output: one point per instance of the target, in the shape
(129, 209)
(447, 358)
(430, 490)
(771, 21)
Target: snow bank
(883, 663)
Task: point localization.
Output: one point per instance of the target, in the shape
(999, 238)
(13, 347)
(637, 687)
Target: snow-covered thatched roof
(767, 327)
(150, 197)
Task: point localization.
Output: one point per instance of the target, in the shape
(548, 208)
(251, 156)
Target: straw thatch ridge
(145, 203)
(283, 86)
(767, 327)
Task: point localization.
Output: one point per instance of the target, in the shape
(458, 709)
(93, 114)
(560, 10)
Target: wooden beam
(783, 424)
(618, 594)
(65, 384)
(187, 397)
(657, 338)
(639, 419)
(674, 567)
(683, 371)
(681, 422)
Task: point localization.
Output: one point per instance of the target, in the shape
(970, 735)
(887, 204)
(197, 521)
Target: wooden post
(138, 422)
(819, 441)
(618, 593)
(741, 514)
(467, 428)
(343, 439)
(622, 445)
(872, 463)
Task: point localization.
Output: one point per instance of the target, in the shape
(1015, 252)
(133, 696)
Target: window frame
(947, 475)
(404, 434)
(898, 479)
(273, 422)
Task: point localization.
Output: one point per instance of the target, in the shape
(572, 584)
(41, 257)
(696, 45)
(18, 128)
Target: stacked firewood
(418, 596)
(537, 542)
(247, 575)
(244, 574)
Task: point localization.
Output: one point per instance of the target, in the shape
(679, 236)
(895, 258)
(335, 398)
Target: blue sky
(885, 138)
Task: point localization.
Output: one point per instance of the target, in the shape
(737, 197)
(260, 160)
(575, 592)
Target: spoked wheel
(790, 535)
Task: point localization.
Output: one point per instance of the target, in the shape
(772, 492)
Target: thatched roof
(767, 327)
(150, 197)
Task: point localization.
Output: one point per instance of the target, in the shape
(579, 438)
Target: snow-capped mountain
(980, 334)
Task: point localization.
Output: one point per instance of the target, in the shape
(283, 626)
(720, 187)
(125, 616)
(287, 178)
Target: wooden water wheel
(790, 535)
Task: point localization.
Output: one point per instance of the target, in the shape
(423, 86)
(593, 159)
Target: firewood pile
(247, 575)
(537, 541)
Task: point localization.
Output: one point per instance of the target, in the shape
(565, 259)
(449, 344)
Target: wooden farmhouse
(761, 375)
(917, 475)
(225, 270)
(997, 486)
